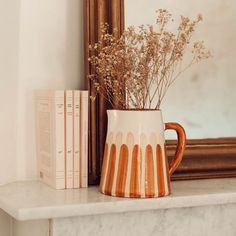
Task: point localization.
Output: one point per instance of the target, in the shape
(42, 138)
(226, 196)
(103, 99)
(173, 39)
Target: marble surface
(33, 200)
(214, 220)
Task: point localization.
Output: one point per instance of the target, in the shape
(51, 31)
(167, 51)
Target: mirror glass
(203, 98)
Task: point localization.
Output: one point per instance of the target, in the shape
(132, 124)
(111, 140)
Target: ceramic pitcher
(135, 161)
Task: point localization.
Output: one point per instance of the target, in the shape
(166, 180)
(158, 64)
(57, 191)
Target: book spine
(76, 183)
(43, 136)
(69, 138)
(59, 137)
(84, 138)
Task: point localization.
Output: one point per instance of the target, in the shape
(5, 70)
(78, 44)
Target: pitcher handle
(180, 146)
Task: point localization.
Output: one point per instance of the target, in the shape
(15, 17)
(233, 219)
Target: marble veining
(194, 221)
(33, 200)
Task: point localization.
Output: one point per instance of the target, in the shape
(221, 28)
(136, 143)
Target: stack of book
(62, 137)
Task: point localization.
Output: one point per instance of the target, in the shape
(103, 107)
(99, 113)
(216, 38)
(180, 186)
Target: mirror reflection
(203, 98)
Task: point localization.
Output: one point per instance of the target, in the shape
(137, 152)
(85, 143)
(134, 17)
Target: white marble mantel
(197, 206)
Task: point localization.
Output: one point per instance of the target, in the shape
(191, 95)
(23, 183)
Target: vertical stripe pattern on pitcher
(130, 164)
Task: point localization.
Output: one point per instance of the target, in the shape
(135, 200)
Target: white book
(49, 114)
(84, 138)
(76, 172)
(69, 137)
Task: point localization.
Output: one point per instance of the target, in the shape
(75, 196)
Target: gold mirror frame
(204, 158)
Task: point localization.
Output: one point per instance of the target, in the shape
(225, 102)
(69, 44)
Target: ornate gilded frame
(204, 158)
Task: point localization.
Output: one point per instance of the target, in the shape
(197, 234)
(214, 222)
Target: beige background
(12, 227)
(41, 46)
(203, 99)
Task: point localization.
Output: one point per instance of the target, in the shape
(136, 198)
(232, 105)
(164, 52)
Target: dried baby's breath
(137, 69)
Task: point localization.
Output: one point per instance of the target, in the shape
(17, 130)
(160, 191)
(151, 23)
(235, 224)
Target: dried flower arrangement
(136, 70)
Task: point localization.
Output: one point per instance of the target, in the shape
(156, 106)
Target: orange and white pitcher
(135, 162)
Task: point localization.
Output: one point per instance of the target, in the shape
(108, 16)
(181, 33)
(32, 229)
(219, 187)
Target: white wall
(41, 46)
(203, 99)
(12, 227)
(30, 228)
(9, 39)
(6, 223)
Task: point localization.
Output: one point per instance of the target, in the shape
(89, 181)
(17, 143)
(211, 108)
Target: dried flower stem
(136, 70)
